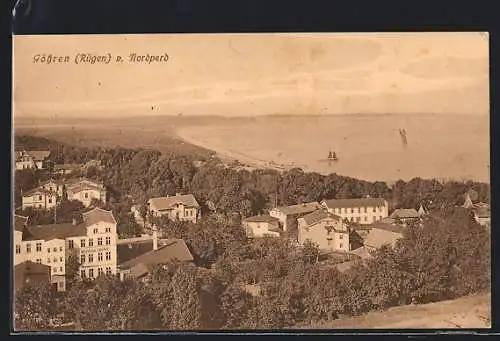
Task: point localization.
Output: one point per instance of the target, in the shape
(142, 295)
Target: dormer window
(96, 230)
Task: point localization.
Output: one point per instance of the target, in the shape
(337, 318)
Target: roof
(383, 234)
(130, 255)
(261, 218)
(299, 208)
(75, 188)
(139, 270)
(38, 190)
(362, 252)
(163, 203)
(319, 215)
(54, 231)
(37, 155)
(29, 267)
(70, 166)
(97, 215)
(20, 222)
(482, 212)
(387, 227)
(57, 182)
(347, 203)
(78, 181)
(405, 213)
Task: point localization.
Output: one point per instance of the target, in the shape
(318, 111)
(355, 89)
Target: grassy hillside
(466, 312)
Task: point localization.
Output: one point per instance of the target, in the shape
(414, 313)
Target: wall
(318, 234)
(358, 214)
(260, 229)
(46, 202)
(184, 213)
(86, 196)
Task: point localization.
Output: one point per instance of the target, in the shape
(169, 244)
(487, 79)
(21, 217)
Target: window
(341, 236)
(99, 241)
(108, 240)
(108, 229)
(329, 241)
(341, 245)
(91, 257)
(54, 249)
(39, 261)
(48, 260)
(96, 230)
(82, 242)
(50, 188)
(18, 249)
(108, 255)
(71, 244)
(366, 210)
(60, 259)
(28, 248)
(86, 195)
(366, 218)
(99, 256)
(352, 210)
(82, 273)
(50, 200)
(82, 259)
(91, 273)
(358, 210)
(54, 270)
(108, 271)
(60, 269)
(40, 198)
(60, 248)
(374, 210)
(99, 272)
(91, 242)
(48, 250)
(55, 259)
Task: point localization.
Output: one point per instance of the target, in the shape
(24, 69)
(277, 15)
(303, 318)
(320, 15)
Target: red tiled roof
(164, 203)
(348, 203)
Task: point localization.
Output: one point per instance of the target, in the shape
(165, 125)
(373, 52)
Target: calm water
(367, 147)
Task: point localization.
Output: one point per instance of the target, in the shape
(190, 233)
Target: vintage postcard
(251, 181)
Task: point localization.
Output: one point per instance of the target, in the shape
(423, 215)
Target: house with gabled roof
(325, 229)
(288, 215)
(361, 211)
(32, 159)
(381, 233)
(261, 225)
(480, 210)
(85, 190)
(92, 240)
(405, 215)
(181, 207)
(39, 198)
(53, 185)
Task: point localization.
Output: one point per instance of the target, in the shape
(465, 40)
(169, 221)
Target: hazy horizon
(257, 74)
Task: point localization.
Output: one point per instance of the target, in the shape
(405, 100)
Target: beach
(369, 148)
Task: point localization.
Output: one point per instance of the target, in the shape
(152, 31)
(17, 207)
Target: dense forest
(133, 176)
(268, 283)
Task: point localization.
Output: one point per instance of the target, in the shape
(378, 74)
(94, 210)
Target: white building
(361, 211)
(182, 207)
(33, 159)
(92, 241)
(54, 186)
(262, 225)
(325, 229)
(86, 190)
(39, 198)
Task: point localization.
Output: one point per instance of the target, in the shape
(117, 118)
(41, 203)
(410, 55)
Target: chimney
(155, 239)
(74, 221)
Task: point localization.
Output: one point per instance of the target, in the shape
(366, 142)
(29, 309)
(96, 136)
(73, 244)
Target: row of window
(38, 248)
(54, 259)
(355, 210)
(89, 258)
(100, 271)
(91, 241)
(329, 241)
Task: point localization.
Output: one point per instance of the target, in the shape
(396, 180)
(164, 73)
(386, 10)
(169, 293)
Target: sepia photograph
(257, 181)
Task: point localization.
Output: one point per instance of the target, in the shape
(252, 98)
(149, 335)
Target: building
(405, 215)
(288, 215)
(325, 229)
(482, 215)
(262, 225)
(137, 258)
(422, 210)
(361, 211)
(33, 159)
(39, 198)
(66, 169)
(53, 185)
(86, 190)
(92, 241)
(381, 234)
(182, 207)
(30, 273)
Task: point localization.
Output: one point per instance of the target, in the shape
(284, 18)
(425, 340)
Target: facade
(39, 198)
(182, 207)
(92, 241)
(30, 273)
(260, 226)
(361, 211)
(33, 159)
(325, 229)
(54, 186)
(381, 234)
(137, 257)
(85, 190)
(288, 215)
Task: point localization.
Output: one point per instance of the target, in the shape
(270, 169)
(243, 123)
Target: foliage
(34, 307)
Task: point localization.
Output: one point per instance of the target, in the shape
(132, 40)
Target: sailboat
(332, 156)
(402, 132)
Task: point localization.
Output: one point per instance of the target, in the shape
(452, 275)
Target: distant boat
(402, 133)
(332, 156)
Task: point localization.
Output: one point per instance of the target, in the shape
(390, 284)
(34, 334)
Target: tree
(186, 305)
(310, 252)
(34, 307)
(72, 267)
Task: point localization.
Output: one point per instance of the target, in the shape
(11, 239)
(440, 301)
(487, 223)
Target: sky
(256, 74)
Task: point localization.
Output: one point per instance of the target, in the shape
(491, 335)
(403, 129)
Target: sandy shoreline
(228, 155)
